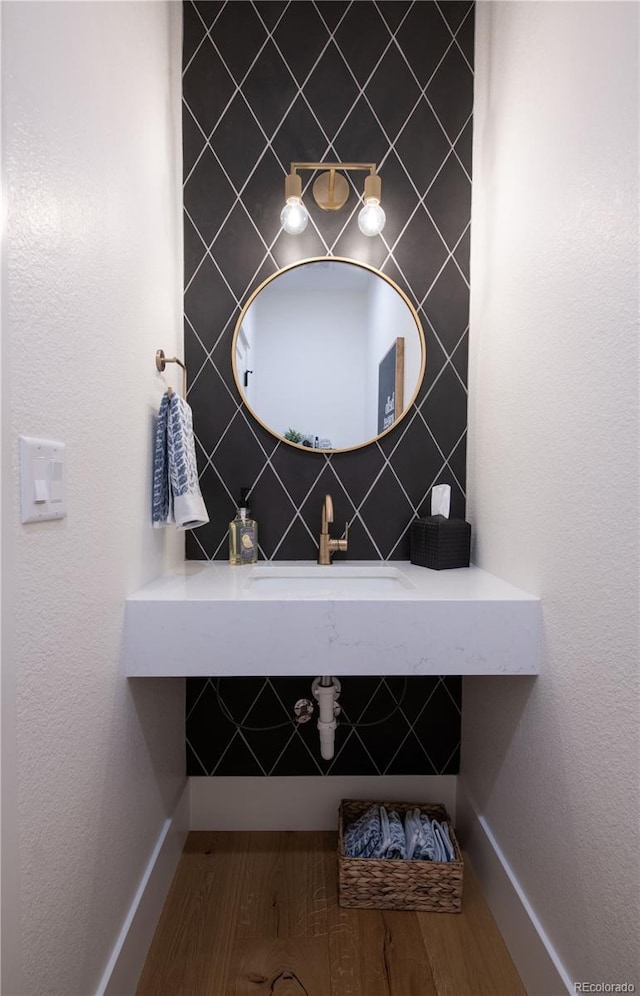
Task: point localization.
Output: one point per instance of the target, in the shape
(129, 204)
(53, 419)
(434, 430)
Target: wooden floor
(257, 913)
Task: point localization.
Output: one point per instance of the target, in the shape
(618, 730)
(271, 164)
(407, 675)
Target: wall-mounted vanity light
(331, 192)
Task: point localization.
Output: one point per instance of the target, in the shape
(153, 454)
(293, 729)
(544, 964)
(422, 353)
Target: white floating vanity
(367, 617)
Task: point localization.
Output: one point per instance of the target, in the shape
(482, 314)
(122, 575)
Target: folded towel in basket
(419, 836)
(176, 489)
(441, 853)
(445, 841)
(397, 843)
(376, 834)
(364, 837)
(379, 834)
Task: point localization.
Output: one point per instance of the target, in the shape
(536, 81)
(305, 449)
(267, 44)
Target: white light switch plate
(42, 479)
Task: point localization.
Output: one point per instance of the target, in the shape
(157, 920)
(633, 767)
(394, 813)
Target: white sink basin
(330, 581)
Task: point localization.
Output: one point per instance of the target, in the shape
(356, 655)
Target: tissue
(441, 500)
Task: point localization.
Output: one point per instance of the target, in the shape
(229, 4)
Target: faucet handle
(342, 545)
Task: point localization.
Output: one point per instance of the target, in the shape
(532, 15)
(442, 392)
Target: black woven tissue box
(440, 543)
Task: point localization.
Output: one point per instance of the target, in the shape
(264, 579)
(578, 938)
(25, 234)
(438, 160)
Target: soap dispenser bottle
(243, 534)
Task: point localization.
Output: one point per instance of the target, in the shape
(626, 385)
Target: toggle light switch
(56, 480)
(40, 485)
(42, 479)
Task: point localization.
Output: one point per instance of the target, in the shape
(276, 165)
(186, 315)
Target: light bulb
(372, 218)
(294, 216)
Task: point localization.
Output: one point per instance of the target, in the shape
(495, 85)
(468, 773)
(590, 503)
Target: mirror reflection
(328, 354)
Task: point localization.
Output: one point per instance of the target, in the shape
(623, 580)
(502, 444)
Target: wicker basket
(383, 884)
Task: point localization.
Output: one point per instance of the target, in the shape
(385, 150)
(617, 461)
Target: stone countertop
(354, 617)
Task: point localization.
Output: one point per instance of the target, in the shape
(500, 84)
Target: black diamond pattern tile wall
(420, 729)
(265, 84)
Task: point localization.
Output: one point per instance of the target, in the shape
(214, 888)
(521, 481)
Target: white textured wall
(92, 764)
(553, 461)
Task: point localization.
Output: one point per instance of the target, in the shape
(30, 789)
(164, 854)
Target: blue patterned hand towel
(176, 490)
(161, 512)
(419, 835)
(397, 845)
(376, 834)
(364, 838)
(448, 852)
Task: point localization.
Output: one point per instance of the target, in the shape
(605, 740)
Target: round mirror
(328, 354)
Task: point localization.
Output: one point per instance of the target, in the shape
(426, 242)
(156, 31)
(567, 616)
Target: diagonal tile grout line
(268, 460)
(296, 730)
(251, 750)
(253, 702)
(449, 252)
(196, 539)
(214, 261)
(421, 204)
(339, 751)
(302, 503)
(435, 688)
(196, 755)
(367, 751)
(381, 682)
(202, 691)
(457, 32)
(451, 755)
(207, 32)
(411, 730)
(298, 507)
(209, 246)
(352, 735)
(448, 691)
(453, 353)
(220, 758)
(450, 256)
(406, 718)
(284, 749)
(238, 735)
(399, 748)
(444, 456)
(406, 428)
(356, 513)
(446, 353)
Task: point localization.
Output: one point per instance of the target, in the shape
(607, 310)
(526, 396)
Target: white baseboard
(120, 977)
(304, 803)
(533, 954)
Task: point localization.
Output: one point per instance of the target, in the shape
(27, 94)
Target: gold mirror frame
(364, 266)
